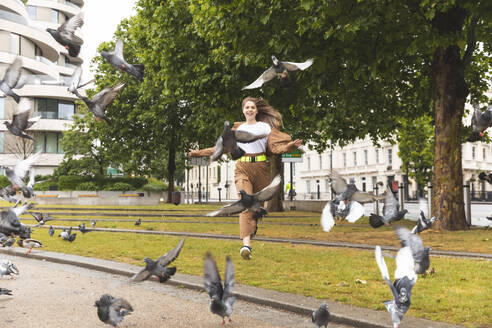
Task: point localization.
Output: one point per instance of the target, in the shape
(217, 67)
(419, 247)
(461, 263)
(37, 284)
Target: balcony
(16, 6)
(68, 8)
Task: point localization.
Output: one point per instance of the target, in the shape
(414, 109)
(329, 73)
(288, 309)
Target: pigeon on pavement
(401, 288)
(8, 268)
(117, 60)
(51, 232)
(251, 202)
(321, 316)
(112, 310)
(391, 211)
(221, 297)
(159, 267)
(29, 243)
(5, 291)
(12, 79)
(227, 142)
(97, 105)
(65, 34)
(279, 69)
(480, 122)
(419, 252)
(423, 222)
(21, 121)
(42, 218)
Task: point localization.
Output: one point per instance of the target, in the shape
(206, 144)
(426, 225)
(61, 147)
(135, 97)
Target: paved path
(55, 295)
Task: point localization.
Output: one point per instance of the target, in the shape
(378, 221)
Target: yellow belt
(253, 159)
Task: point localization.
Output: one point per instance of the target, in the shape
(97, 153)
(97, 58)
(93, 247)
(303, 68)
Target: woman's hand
(297, 143)
(193, 153)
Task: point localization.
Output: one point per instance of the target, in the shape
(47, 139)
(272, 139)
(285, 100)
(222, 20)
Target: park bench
(140, 194)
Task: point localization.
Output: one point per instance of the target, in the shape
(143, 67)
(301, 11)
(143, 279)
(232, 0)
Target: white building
(23, 33)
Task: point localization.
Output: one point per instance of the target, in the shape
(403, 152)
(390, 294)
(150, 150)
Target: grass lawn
(459, 291)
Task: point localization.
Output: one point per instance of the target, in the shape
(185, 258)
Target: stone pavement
(76, 290)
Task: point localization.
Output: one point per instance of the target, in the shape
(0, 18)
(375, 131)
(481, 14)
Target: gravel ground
(54, 295)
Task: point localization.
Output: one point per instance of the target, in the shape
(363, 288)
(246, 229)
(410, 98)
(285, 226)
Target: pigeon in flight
(21, 121)
(350, 211)
(480, 122)
(116, 59)
(75, 80)
(423, 222)
(346, 191)
(68, 235)
(65, 34)
(159, 267)
(29, 243)
(9, 220)
(321, 316)
(227, 142)
(280, 70)
(7, 193)
(12, 79)
(221, 298)
(401, 288)
(97, 105)
(112, 310)
(251, 202)
(51, 232)
(391, 211)
(8, 268)
(138, 222)
(42, 218)
(18, 172)
(5, 291)
(28, 191)
(6, 241)
(484, 176)
(419, 252)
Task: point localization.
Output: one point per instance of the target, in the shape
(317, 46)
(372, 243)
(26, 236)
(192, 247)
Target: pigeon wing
(337, 182)
(327, 220)
(75, 80)
(391, 205)
(265, 77)
(68, 28)
(21, 120)
(411, 240)
(269, 191)
(423, 207)
(219, 149)
(110, 96)
(229, 209)
(356, 211)
(121, 303)
(13, 73)
(229, 280)
(171, 255)
(140, 276)
(212, 280)
(247, 137)
(405, 264)
(21, 168)
(118, 49)
(295, 66)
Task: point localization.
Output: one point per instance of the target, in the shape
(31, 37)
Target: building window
(1, 140)
(320, 162)
(377, 156)
(363, 184)
(54, 16)
(31, 11)
(327, 185)
(473, 152)
(308, 186)
(54, 109)
(355, 158)
(344, 159)
(49, 143)
(390, 156)
(374, 182)
(37, 51)
(2, 107)
(366, 158)
(15, 46)
(309, 163)
(484, 154)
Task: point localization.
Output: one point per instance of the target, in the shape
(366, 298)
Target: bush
(70, 182)
(156, 186)
(89, 185)
(118, 186)
(4, 182)
(44, 185)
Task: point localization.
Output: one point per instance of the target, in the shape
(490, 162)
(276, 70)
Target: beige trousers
(250, 177)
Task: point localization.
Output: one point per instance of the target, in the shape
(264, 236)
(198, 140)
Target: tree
(416, 144)
(375, 62)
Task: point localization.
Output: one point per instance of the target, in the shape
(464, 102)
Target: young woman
(252, 172)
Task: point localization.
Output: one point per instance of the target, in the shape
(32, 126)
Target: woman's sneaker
(245, 252)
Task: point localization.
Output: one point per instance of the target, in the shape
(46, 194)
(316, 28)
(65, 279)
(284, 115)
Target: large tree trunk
(277, 167)
(449, 93)
(171, 169)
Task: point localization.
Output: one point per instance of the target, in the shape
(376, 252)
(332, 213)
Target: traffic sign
(294, 156)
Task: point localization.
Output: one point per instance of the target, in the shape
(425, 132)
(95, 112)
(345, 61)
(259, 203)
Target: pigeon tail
(73, 50)
(237, 153)
(140, 68)
(375, 221)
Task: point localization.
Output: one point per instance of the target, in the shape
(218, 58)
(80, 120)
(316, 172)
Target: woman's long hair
(266, 113)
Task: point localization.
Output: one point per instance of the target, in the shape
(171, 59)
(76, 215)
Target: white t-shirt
(257, 146)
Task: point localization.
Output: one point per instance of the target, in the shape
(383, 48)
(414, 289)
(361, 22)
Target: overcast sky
(100, 21)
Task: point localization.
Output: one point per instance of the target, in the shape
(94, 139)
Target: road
(51, 295)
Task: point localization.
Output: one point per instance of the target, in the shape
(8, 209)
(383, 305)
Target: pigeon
(279, 69)
(227, 142)
(346, 191)
(221, 299)
(485, 177)
(12, 79)
(112, 310)
(75, 80)
(251, 202)
(419, 252)
(321, 316)
(7, 193)
(21, 121)
(29, 243)
(51, 232)
(3, 238)
(9, 219)
(391, 211)
(97, 105)
(351, 211)
(423, 222)
(82, 228)
(93, 223)
(42, 218)
(480, 122)
(8, 268)
(116, 59)
(138, 222)
(28, 191)
(8, 242)
(159, 267)
(18, 172)
(67, 234)
(401, 288)
(65, 36)
(5, 291)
